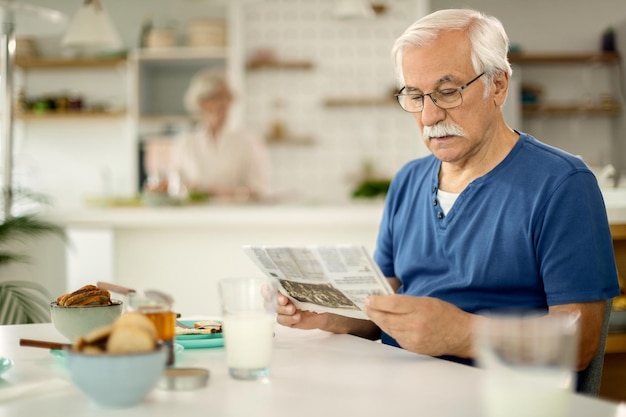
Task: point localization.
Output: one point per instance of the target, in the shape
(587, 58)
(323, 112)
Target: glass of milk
(249, 315)
(530, 362)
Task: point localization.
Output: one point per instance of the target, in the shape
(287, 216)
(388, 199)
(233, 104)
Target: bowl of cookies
(116, 366)
(77, 313)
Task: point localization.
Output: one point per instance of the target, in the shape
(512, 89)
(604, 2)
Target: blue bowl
(116, 381)
(76, 321)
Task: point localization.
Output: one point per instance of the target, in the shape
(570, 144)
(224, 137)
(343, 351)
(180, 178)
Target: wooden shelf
(28, 63)
(570, 109)
(618, 231)
(562, 58)
(616, 343)
(182, 53)
(70, 115)
(165, 118)
(279, 65)
(363, 101)
(291, 140)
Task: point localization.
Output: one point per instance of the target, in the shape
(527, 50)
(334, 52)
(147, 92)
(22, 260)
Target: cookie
(85, 295)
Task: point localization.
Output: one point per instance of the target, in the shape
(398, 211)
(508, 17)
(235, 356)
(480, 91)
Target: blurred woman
(215, 158)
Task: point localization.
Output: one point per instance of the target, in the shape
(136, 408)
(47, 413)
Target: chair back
(589, 379)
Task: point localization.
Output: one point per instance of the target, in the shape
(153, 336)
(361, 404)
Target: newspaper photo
(324, 279)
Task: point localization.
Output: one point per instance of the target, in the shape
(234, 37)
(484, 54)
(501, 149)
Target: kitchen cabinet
(71, 76)
(162, 75)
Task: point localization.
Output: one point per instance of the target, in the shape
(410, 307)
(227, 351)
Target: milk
(530, 392)
(248, 340)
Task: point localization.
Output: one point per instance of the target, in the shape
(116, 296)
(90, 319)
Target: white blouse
(237, 159)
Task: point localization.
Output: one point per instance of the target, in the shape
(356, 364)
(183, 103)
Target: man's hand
(288, 315)
(423, 325)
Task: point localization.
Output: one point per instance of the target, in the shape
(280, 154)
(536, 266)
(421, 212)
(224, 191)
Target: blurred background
(314, 77)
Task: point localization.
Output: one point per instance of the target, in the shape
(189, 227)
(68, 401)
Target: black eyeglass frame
(459, 90)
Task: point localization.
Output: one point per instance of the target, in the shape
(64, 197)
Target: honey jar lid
(184, 379)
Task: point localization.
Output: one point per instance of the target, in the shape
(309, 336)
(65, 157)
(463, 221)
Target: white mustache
(440, 130)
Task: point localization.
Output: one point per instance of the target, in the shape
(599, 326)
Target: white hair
(204, 83)
(488, 39)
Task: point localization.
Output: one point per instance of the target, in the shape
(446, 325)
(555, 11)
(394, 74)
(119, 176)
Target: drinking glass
(249, 315)
(530, 362)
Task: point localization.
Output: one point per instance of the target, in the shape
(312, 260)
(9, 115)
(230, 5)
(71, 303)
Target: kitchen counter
(222, 214)
(615, 201)
(177, 248)
(357, 212)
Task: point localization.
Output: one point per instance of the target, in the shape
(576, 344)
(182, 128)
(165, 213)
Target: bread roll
(130, 339)
(139, 320)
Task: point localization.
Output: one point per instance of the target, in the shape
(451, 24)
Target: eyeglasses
(448, 98)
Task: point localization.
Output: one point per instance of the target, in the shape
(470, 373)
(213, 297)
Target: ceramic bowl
(72, 322)
(116, 381)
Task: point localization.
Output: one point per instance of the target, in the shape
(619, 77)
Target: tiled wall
(351, 59)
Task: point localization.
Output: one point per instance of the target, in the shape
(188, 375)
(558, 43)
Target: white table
(313, 374)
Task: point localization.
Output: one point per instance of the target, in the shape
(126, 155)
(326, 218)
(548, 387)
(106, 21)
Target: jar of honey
(157, 306)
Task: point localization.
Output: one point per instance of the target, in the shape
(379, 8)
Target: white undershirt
(446, 200)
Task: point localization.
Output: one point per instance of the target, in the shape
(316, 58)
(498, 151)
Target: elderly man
(492, 219)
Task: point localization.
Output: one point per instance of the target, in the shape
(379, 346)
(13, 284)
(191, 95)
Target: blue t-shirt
(533, 232)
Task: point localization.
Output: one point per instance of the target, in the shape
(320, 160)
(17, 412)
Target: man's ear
(500, 87)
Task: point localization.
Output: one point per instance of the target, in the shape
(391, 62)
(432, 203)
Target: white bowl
(116, 381)
(76, 321)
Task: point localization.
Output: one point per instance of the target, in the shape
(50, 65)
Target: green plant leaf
(6, 257)
(371, 188)
(27, 226)
(21, 228)
(23, 302)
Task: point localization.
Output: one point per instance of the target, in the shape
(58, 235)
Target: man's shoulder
(549, 156)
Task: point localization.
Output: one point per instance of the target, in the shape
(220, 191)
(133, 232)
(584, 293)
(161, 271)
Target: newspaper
(324, 279)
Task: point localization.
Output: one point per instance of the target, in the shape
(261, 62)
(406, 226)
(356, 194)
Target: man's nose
(431, 113)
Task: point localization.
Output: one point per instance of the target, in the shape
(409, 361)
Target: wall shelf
(361, 101)
(31, 63)
(291, 141)
(279, 65)
(570, 109)
(562, 58)
(180, 53)
(71, 115)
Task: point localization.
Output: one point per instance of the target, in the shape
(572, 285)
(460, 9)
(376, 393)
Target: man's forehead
(420, 82)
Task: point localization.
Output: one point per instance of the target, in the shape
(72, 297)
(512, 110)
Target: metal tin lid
(181, 379)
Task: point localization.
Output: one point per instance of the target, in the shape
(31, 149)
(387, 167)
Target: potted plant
(371, 184)
(22, 301)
